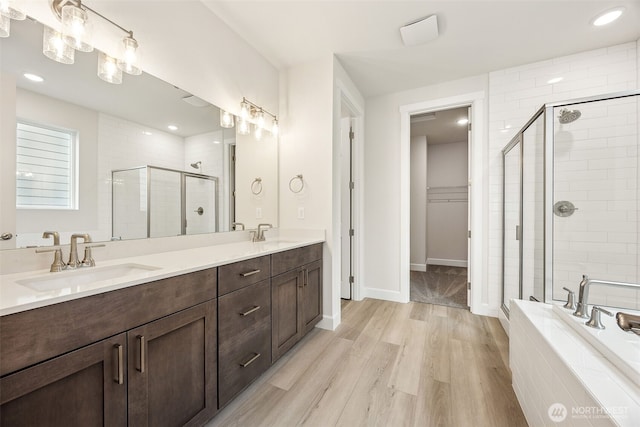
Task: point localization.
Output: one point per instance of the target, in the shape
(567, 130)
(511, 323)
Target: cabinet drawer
(242, 362)
(238, 275)
(240, 312)
(294, 258)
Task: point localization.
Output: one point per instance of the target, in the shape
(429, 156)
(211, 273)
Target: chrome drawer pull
(250, 273)
(119, 379)
(250, 361)
(246, 313)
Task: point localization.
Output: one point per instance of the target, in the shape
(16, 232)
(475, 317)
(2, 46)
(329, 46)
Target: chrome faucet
(259, 235)
(73, 253)
(583, 295)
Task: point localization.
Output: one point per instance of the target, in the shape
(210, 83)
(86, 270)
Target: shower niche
(150, 201)
(570, 201)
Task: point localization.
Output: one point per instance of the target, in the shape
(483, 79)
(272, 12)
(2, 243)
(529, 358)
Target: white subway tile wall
(515, 94)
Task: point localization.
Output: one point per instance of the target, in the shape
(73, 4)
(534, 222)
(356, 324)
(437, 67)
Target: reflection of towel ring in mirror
(292, 186)
(256, 186)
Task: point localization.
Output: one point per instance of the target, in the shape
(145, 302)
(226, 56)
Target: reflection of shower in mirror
(196, 165)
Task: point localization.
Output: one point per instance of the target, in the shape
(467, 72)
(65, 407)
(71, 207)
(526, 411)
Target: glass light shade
(129, 58)
(108, 69)
(275, 129)
(76, 28)
(244, 110)
(260, 117)
(258, 133)
(243, 127)
(54, 47)
(9, 9)
(226, 119)
(5, 26)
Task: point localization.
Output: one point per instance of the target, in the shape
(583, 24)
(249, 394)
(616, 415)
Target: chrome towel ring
(256, 186)
(296, 188)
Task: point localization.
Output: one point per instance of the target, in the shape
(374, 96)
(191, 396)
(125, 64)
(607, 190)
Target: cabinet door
(285, 301)
(86, 387)
(311, 296)
(172, 369)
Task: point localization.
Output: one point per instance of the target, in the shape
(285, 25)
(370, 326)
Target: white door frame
(344, 96)
(476, 179)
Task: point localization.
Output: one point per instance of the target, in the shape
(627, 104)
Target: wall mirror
(131, 175)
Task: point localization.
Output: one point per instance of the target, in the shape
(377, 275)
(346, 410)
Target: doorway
(439, 207)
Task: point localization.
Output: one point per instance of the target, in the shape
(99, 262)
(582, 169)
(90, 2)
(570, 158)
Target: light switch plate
(301, 212)
(258, 213)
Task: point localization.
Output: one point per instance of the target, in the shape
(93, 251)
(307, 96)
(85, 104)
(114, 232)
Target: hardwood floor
(440, 285)
(388, 364)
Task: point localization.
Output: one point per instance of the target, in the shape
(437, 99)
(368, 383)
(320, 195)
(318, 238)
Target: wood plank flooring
(387, 364)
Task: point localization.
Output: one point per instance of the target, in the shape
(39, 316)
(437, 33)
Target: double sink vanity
(159, 339)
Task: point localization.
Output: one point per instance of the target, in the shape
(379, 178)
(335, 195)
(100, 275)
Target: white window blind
(45, 169)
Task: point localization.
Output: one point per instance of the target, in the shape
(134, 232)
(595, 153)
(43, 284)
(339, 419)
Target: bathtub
(565, 374)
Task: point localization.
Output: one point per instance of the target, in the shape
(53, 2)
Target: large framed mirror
(72, 143)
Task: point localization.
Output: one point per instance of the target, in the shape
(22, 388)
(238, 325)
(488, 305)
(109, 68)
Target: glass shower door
(201, 195)
(511, 229)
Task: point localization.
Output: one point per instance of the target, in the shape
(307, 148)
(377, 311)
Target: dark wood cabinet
(86, 387)
(244, 338)
(296, 298)
(172, 369)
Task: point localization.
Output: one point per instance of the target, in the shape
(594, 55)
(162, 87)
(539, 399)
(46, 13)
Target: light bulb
(258, 133)
(261, 119)
(226, 119)
(275, 129)
(244, 110)
(54, 47)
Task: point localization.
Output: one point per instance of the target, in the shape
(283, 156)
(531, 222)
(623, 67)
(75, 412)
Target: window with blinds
(45, 169)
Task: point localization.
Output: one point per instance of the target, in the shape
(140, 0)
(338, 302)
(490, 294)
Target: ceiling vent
(420, 32)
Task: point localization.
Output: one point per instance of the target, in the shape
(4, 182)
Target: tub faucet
(583, 295)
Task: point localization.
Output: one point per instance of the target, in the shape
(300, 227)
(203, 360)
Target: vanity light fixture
(258, 133)
(226, 119)
(76, 33)
(33, 77)
(11, 10)
(250, 112)
(607, 17)
(5, 26)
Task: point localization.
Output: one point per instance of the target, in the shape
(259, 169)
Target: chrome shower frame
(548, 170)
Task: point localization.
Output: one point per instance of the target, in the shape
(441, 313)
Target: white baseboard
(486, 310)
(383, 294)
(447, 262)
(329, 323)
(504, 321)
(418, 267)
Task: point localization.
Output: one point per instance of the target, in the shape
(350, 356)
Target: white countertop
(15, 297)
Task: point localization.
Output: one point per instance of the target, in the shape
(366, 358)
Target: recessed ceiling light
(146, 132)
(33, 77)
(216, 142)
(608, 17)
(172, 127)
(504, 130)
(463, 121)
(555, 80)
(507, 126)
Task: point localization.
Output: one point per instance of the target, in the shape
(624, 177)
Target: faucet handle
(594, 321)
(57, 264)
(88, 260)
(571, 299)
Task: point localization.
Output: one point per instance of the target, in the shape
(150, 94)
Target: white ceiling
(476, 36)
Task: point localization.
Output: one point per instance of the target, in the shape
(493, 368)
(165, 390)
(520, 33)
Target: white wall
(8, 159)
(447, 166)
(418, 238)
(382, 180)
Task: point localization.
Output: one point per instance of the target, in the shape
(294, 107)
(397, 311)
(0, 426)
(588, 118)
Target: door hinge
(351, 134)
(352, 185)
(469, 233)
(351, 279)
(351, 232)
(468, 286)
(469, 126)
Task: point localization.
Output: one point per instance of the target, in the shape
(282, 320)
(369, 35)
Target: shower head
(568, 116)
(196, 165)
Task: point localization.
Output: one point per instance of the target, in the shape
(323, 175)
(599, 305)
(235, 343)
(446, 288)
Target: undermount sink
(83, 276)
